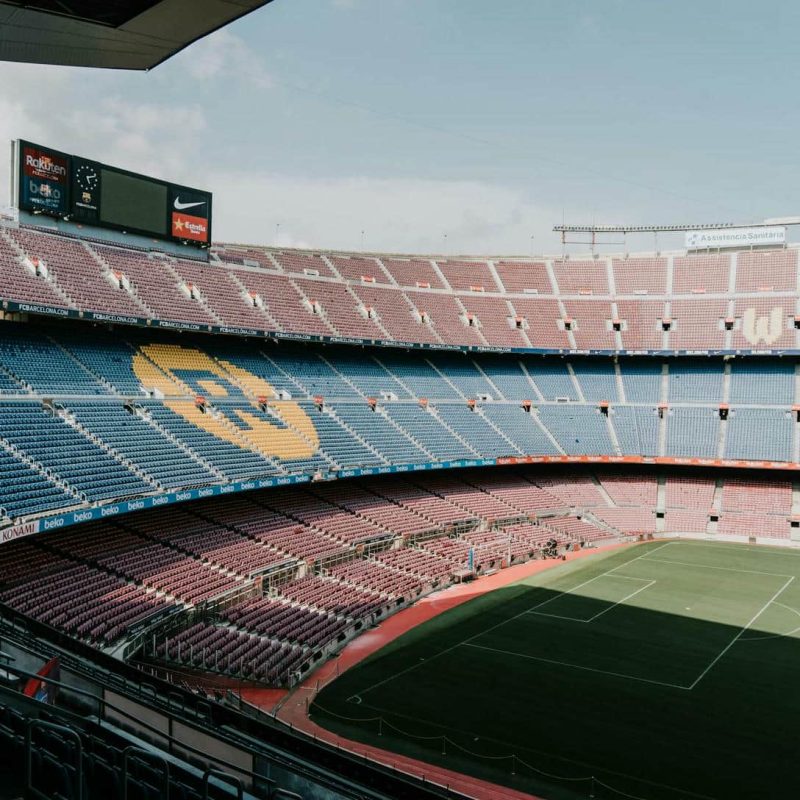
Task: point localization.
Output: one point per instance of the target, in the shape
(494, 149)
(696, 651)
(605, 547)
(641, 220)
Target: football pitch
(666, 670)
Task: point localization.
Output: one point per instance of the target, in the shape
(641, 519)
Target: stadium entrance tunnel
(662, 671)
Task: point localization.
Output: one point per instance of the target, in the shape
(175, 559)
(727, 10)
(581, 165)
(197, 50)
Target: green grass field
(666, 670)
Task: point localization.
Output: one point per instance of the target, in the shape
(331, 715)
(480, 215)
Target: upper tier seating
(635, 303)
(159, 286)
(640, 275)
(468, 275)
(21, 279)
(413, 272)
(772, 271)
(395, 314)
(357, 268)
(581, 277)
(706, 274)
(84, 278)
(524, 277)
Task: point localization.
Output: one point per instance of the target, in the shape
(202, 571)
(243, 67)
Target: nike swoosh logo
(181, 206)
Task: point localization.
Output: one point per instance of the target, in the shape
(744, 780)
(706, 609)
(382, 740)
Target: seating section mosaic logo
(226, 401)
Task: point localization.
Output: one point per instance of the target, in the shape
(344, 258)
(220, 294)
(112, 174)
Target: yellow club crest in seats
(159, 367)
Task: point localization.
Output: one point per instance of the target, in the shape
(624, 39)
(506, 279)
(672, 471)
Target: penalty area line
(624, 599)
(424, 661)
(578, 666)
(741, 632)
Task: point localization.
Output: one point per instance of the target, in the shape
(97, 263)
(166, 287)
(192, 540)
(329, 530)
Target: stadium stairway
(144, 414)
(434, 412)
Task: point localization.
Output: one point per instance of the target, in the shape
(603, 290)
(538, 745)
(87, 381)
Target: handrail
(144, 755)
(63, 731)
(254, 777)
(223, 776)
(290, 747)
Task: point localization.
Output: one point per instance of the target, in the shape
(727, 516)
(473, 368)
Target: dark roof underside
(124, 34)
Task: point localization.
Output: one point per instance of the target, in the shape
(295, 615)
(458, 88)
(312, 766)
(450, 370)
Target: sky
(449, 126)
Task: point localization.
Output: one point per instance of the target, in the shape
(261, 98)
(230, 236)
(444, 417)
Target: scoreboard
(88, 192)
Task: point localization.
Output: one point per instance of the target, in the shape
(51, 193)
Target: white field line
(600, 613)
(446, 650)
(774, 550)
(688, 688)
(578, 666)
(627, 597)
(738, 635)
(722, 569)
(777, 635)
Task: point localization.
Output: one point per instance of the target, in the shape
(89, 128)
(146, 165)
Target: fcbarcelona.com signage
(735, 237)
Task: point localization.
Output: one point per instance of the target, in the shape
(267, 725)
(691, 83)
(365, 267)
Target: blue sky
(315, 120)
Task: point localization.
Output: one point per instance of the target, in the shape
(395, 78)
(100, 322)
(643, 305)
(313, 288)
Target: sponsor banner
(57, 522)
(185, 226)
(51, 311)
(18, 531)
(346, 340)
(190, 213)
(34, 308)
(44, 180)
(241, 332)
(96, 317)
(735, 237)
(182, 326)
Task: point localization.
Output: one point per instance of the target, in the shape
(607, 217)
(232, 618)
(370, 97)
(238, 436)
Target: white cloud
(89, 113)
(73, 110)
(400, 215)
(223, 55)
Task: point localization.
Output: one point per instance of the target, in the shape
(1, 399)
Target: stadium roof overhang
(125, 34)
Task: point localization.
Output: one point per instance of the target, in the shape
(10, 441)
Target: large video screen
(130, 200)
(74, 188)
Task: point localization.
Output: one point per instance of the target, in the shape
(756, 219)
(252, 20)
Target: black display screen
(132, 202)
